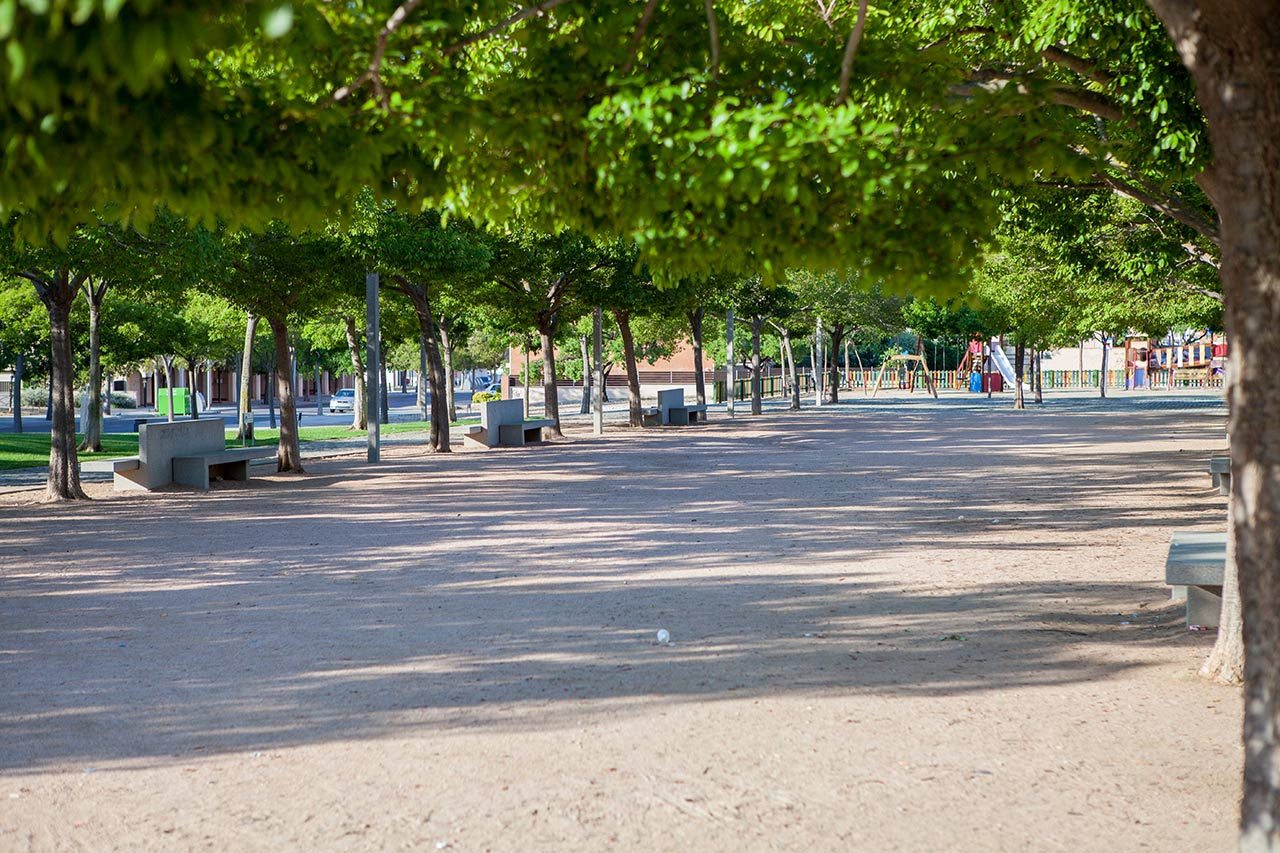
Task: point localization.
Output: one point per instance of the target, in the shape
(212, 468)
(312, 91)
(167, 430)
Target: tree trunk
(623, 319)
(585, 408)
(424, 380)
(730, 383)
(695, 331)
(19, 364)
(194, 384)
(756, 390)
(550, 397)
(786, 366)
(1102, 383)
(526, 382)
(794, 377)
(848, 379)
(63, 482)
(438, 435)
(289, 456)
(1038, 362)
(1225, 663)
(359, 414)
(1231, 51)
(446, 363)
(168, 383)
(245, 403)
(1019, 370)
(92, 426)
(272, 374)
(816, 358)
(837, 333)
(858, 358)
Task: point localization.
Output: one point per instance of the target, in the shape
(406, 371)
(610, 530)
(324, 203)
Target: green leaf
(8, 9)
(17, 60)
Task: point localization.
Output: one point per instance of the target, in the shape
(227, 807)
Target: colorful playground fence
(776, 385)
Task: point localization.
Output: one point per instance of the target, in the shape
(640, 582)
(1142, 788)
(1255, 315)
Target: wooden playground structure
(920, 365)
(1198, 363)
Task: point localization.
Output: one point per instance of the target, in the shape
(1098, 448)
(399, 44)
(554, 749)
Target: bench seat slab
(1195, 568)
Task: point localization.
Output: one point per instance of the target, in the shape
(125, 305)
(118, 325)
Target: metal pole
(730, 383)
(372, 361)
(319, 396)
(597, 368)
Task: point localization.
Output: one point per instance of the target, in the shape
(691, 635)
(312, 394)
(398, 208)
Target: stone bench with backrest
(502, 424)
(1195, 568)
(672, 411)
(1220, 473)
(231, 463)
(185, 452)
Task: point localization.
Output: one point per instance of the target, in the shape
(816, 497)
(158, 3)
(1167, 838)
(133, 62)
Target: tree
(1229, 49)
(758, 303)
(535, 277)
(425, 260)
(869, 137)
(847, 303)
(57, 274)
(281, 277)
(695, 296)
(23, 333)
(624, 288)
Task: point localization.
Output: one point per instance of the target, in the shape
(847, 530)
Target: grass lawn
(31, 450)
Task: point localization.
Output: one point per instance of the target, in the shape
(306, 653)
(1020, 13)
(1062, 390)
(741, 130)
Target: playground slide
(1003, 365)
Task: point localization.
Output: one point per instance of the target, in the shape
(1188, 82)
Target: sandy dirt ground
(895, 626)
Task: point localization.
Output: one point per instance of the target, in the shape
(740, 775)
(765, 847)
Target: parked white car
(342, 401)
(486, 383)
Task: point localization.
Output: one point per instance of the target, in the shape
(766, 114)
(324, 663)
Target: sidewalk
(1082, 402)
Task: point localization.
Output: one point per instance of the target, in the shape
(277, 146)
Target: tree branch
(967, 31)
(713, 29)
(522, 15)
(1086, 68)
(638, 36)
(1200, 256)
(1197, 289)
(42, 284)
(373, 74)
(1154, 197)
(403, 285)
(1086, 101)
(850, 51)
(1069, 185)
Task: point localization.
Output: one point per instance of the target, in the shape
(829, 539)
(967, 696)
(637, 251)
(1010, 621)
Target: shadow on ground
(522, 589)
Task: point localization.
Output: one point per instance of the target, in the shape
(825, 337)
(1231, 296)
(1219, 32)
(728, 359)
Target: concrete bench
(1194, 568)
(159, 444)
(111, 466)
(1220, 473)
(672, 411)
(229, 464)
(502, 424)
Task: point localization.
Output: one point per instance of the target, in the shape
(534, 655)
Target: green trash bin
(181, 401)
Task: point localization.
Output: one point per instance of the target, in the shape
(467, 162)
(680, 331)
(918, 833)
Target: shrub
(35, 396)
(486, 396)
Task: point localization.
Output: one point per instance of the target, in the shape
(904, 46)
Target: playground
(894, 624)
